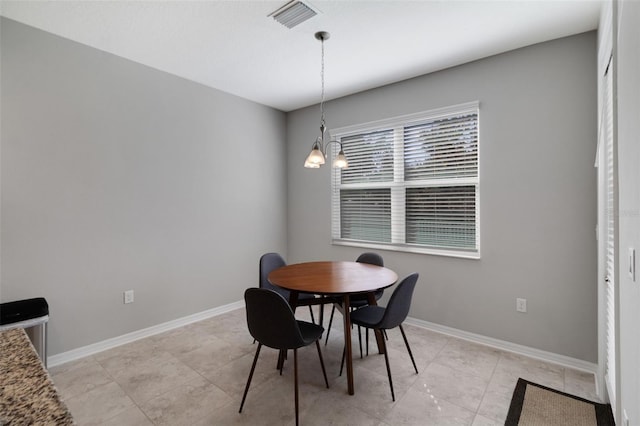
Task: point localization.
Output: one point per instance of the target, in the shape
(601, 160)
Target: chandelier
(319, 148)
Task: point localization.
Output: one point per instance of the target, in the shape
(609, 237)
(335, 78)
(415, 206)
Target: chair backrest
(370, 258)
(271, 320)
(398, 307)
(268, 263)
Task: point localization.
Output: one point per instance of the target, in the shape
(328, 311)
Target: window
(411, 185)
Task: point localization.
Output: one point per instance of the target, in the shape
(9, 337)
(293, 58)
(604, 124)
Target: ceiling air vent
(293, 13)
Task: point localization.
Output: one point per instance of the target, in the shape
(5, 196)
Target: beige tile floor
(195, 375)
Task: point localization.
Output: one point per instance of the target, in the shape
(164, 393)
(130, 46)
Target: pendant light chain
(322, 126)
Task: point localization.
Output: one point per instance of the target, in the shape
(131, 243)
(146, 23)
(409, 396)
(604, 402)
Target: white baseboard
(94, 348)
(562, 360)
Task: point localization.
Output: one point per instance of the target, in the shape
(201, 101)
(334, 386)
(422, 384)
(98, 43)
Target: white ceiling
(235, 47)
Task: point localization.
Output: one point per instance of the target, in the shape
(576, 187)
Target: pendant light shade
(341, 161)
(309, 165)
(316, 157)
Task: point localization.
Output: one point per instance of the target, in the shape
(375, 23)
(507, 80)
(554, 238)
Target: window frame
(398, 186)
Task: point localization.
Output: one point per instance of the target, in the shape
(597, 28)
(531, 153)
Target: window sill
(409, 249)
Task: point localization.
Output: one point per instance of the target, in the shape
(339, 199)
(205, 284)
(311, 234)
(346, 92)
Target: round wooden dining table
(338, 279)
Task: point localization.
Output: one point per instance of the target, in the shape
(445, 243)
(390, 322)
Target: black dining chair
(360, 300)
(272, 323)
(379, 318)
(272, 261)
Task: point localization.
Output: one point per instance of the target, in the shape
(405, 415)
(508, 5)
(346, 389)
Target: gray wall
(629, 205)
(538, 195)
(116, 176)
(111, 180)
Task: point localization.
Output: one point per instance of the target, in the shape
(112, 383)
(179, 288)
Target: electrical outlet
(128, 296)
(521, 305)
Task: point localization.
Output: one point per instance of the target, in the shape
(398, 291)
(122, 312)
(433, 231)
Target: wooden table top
(333, 277)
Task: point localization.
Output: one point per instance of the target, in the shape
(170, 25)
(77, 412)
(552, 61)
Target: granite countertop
(27, 393)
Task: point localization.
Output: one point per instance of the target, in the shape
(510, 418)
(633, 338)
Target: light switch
(632, 264)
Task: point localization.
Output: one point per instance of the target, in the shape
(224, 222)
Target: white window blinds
(612, 232)
(370, 157)
(366, 214)
(442, 148)
(412, 183)
(441, 217)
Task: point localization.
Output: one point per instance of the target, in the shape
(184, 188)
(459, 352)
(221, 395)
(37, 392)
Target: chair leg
(313, 320)
(295, 375)
(360, 341)
(367, 341)
(282, 355)
(333, 309)
(406, 342)
(324, 372)
(344, 350)
(253, 367)
(386, 360)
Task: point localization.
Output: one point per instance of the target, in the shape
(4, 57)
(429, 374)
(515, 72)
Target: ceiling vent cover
(293, 13)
